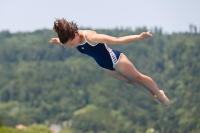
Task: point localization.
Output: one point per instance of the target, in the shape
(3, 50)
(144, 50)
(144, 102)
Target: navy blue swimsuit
(105, 58)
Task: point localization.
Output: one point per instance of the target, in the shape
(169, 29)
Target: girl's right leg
(126, 68)
(119, 76)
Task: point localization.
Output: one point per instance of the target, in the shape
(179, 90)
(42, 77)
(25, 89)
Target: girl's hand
(55, 41)
(144, 35)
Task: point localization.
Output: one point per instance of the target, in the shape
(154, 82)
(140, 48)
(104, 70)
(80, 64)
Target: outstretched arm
(102, 38)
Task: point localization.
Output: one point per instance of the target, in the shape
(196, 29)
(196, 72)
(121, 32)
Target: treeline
(45, 84)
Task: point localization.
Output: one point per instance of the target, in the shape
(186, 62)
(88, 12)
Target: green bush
(5, 129)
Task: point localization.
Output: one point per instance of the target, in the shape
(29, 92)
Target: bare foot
(164, 100)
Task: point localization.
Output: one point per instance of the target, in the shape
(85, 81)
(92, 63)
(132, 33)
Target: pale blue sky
(31, 15)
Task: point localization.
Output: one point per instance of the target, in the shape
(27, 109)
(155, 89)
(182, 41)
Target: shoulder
(89, 34)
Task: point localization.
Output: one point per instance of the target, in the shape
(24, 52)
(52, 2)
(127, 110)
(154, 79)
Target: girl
(113, 62)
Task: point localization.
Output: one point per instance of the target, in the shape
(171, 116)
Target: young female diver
(113, 62)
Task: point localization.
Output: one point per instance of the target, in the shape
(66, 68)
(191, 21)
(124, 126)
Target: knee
(142, 78)
(129, 82)
(138, 79)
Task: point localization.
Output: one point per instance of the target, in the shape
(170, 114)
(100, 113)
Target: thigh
(117, 75)
(126, 68)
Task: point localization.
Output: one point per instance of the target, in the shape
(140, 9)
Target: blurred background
(45, 88)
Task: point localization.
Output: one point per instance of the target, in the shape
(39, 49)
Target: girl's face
(74, 42)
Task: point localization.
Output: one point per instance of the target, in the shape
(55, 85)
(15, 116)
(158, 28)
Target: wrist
(140, 37)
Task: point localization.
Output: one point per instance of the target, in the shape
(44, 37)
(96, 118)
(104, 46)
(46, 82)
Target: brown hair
(65, 30)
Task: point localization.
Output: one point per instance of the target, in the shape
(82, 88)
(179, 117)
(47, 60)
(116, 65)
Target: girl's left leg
(119, 76)
(126, 68)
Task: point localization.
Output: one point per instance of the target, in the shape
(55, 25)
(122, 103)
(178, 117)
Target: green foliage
(5, 129)
(42, 83)
(37, 129)
(31, 129)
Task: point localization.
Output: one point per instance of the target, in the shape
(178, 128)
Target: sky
(31, 15)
